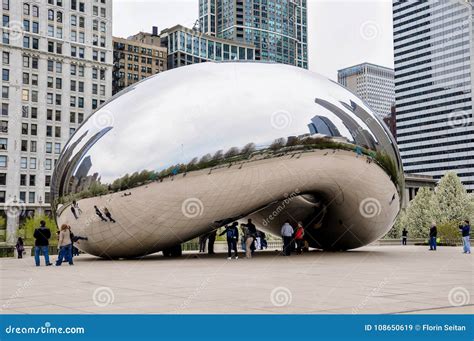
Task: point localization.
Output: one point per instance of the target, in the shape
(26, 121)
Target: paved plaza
(373, 279)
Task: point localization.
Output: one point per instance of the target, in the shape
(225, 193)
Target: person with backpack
(42, 235)
(250, 234)
(65, 245)
(299, 238)
(433, 236)
(232, 235)
(20, 247)
(466, 231)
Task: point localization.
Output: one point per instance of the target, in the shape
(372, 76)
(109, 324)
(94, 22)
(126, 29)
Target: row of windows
(432, 83)
(434, 106)
(437, 113)
(435, 137)
(434, 74)
(434, 67)
(447, 127)
(433, 98)
(439, 152)
(436, 145)
(445, 168)
(434, 90)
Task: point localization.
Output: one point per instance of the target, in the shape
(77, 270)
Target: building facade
(373, 83)
(134, 61)
(56, 69)
(433, 50)
(277, 28)
(187, 46)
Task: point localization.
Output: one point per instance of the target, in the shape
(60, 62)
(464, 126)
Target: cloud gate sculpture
(191, 149)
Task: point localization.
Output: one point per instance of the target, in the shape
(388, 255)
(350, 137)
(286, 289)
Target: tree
(421, 212)
(400, 223)
(219, 155)
(27, 229)
(452, 198)
(232, 152)
(248, 149)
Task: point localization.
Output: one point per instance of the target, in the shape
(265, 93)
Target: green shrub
(27, 229)
(449, 232)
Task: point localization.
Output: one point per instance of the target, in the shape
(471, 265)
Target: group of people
(106, 212)
(293, 238)
(42, 235)
(464, 227)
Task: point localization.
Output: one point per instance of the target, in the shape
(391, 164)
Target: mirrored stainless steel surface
(191, 149)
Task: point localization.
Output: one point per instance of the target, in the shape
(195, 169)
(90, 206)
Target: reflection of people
(76, 206)
(42, 235)
(73, 210)
(65, 246)
(404, 236)
(99, 214)
(212, 239)
(232, 235)
(286, 234)
(299, 238)
(433, 235)
(202, 242)
(465, 231)
(20, 247)
(108, 215)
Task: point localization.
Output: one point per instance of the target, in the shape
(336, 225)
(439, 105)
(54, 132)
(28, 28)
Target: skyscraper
(56, 69)
(433, 49)
(277, 28)
(373, 83)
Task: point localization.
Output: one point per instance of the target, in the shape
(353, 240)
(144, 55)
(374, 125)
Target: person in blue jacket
(232, 234)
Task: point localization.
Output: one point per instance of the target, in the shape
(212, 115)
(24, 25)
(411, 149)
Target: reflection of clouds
(186, 113)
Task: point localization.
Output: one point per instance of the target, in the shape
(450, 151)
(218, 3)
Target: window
(4, 109)
(3, 143)
(22, 196)
(49, 115)
(26, 24)
(24, 145)
(72, 117)
(59, 17)
(31, 197)
(35, 27)
(57, 148)
(59, 33)
(2, 196)
(26, 42)
(5, 58)
(25, 95)
(26, 9)
(24, 128)
(5, 37)
(73, 20)
(81, 22)
(3, 161)
(50, 30)
(57, 131)
(6, 5)
(49, 131)
(58, 116)
(24, 163)
(50, 14)
(48, 165)
(32, 180)
(49, 147)
(34, 62)
(49, 98)
(80, 117)
(3, 179)
(33, 146)
(32, 163)
(4, 126)
(59, 67)
(34, 79)
(35, 11)
(47, 180)
(5, 75)
(34, 129)
(22, 179)
(5, 92)
(34, 112)
(35, 43)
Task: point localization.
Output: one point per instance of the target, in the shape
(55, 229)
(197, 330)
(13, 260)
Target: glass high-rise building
(433, 50)
(277, 28)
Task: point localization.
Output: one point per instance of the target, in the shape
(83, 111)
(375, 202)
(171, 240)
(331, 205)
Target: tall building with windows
(433, 49)
(56, 69)
(373, 83)
(277, 28)
(187, 46)
(135, 60)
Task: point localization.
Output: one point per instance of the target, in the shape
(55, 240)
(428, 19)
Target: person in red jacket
(299, 238)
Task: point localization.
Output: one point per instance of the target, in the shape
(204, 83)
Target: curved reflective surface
(194, 148)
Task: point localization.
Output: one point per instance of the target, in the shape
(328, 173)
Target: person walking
(252, 231)
(76, 207)
(42, 235)
(248, 237)
(212, 239)
(299, 238)
(108, 215)
(287, 234)
(20, 247)
(65, 246)
(202, 242)
(466, 231)
(232, 235)
(404, 236)
(99, 214)
(433, 236)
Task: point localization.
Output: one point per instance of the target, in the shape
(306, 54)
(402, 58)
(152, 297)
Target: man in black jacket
(433, 235)
(42, 235)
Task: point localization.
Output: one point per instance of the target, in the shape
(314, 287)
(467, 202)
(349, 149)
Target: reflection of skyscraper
(84, 167)
(277, 28)
(433, 46)
(321, 125)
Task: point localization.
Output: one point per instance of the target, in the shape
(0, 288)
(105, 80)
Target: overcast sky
(340, 33)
